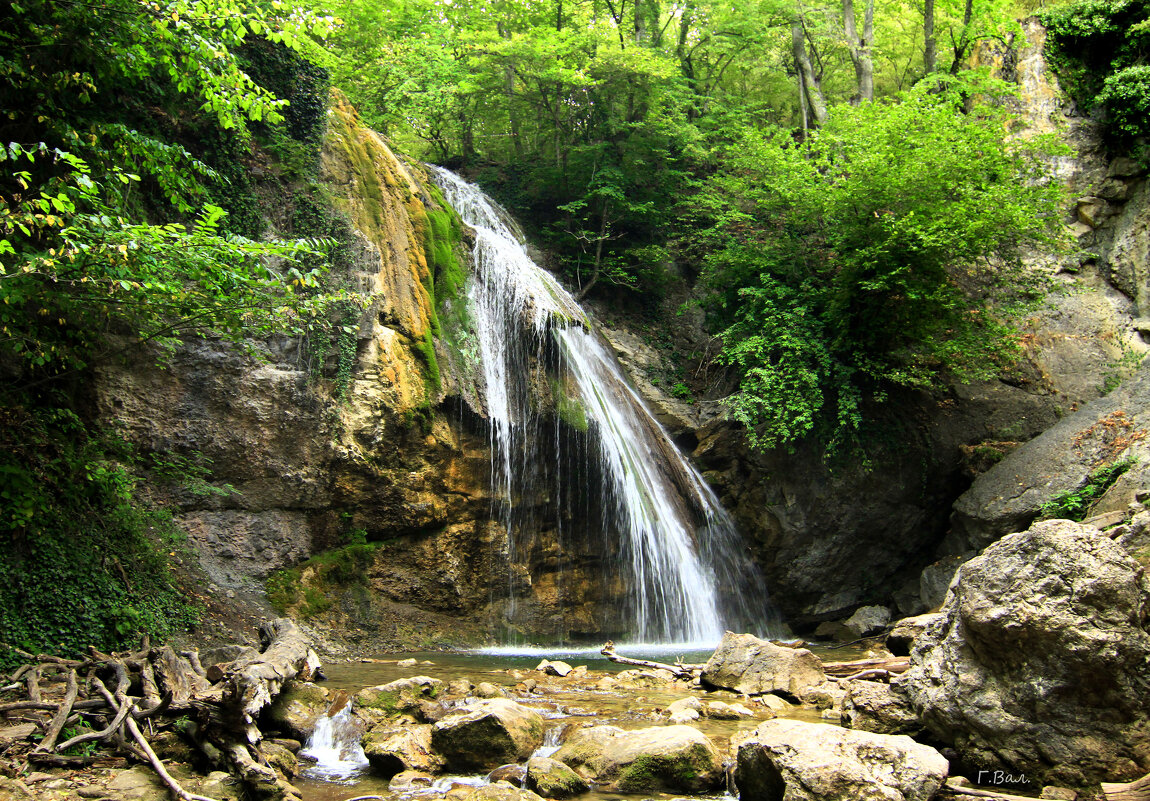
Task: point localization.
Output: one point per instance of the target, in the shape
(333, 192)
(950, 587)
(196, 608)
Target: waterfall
(687, 576)
(334, 744)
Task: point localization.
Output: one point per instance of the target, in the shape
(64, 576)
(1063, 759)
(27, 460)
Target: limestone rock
(790, 760)
(410, 780)
(486, 689)
(746, 664)
(1008, 497)
(877, 707)
(935, 579)
(488, 734)
(552, 779)
(867, 620)
(560, 669)
(402, 696)
(500, 791)
(298, 706)
(673, 759)
(402, 748)
(1039, 662)
(512, 774)
(903, 634)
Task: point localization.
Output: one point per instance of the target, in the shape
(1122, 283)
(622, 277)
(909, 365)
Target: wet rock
(880, 708)
(866, 621)
(402, 696)
(798, 761)
(746, 664)
(408, 780)
(513, 774)
(296, 709)
(774, 703)
(500, 791)
(402, 748)
(1038, 664)
(723, 711)
(935, 579)
(1058, 793)
(488, 734)
(138, 784)
(460, 687)
(550, 668)
(689, 703)
(486, 689)
(553, 779)
(673, 759)
(279, 757)
(828, 695)
(906, 631)
(406, 663)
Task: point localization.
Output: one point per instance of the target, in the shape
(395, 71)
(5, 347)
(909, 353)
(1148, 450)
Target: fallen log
(1137, 790)
(841, 670)
(680, 670)
(956, 788)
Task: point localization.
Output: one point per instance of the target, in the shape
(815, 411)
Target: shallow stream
(560, 705)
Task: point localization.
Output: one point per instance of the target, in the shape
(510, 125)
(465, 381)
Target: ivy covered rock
(1039, 661)
(671, 759)
(488, 734)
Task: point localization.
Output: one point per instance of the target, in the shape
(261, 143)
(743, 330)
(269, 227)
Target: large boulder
(296, 709)
(746, 664)
(791, 760)
(876, 707)
(903, 634)
(672, 759)
(552, 779)
(1040, 661)
(487, 734)
(395, 749)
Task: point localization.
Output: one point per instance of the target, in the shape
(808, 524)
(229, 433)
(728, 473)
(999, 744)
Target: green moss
(332, 571)
(1076, 504)
(675, 772)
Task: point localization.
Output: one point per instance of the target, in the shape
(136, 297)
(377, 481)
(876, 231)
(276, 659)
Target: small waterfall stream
(687, 576)
(334, 744)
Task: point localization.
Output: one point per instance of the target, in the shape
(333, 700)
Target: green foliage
(842, 266)
(1101, 51)
(85, 559)
(1076, 504)
(328, 573)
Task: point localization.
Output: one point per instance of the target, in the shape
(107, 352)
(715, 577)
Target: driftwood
(869, 668)
(122, 695)
(680, 670)
(1137, 790)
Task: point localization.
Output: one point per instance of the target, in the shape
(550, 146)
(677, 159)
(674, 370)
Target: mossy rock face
(488, 734)
(399, 748)
(402, 696)
(673, 759)
(298, 706)
(552, 779)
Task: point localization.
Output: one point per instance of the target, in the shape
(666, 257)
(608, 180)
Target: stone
(500, 791)
(903, 633)
(1038, 663)
(138, 784)
(21, 731)
(683, 717)
(406, 663)
(867, 620)
(751, 666)
(91, 791)
(221, 786)
(720, 710)
(402, 696)
(1091, 210)
(487, 734)
(560, 669)
(877, 707)
(409, 780)
(279, 757)
(774, 703)
(486, 689)
(671, 759)
(551, 778)
(397, 749)
(1058, 793)
(513, 774)
(828, 695)
(935, 579)
(690, 703)
(296, 709)
(460, 687)
(791, 760)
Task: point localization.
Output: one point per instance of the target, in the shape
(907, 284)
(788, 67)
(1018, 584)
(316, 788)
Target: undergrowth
(1076, 504)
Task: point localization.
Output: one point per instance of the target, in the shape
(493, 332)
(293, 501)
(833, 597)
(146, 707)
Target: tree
(850, 264)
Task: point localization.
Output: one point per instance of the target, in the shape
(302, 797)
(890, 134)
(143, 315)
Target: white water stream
(335, 746)
(687, 576)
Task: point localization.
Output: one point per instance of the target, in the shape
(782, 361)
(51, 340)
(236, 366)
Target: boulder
(410, 780)
(748, 665)
(905, 632)
(486, 689)
(401, 748)
(880, 708)
(552, 779)
(500, 791)
(724, 711)
(867, 620)
(935, 579)
(399, 696)
(1039, 663)
(296, 709)
(512, 774)
(672, 759)
(487, 734)
(550, 668)
(790, 760)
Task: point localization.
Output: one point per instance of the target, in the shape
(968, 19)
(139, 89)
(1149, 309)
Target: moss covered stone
(674, 759)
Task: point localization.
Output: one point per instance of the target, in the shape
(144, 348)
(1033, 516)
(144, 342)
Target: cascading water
(686, 574)
(335, 746)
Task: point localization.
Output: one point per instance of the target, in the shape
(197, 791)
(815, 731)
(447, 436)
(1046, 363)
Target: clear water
(686, 574)
(335, 747)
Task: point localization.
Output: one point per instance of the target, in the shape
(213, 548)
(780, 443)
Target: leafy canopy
(844, 265)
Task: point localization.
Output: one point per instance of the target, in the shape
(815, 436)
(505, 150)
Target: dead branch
(896, 664)
(62, 714)
(864, 674)
(680, 670)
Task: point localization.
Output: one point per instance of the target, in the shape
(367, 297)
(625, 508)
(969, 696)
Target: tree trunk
(860, 49)
(810, 86)
(930, 53)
